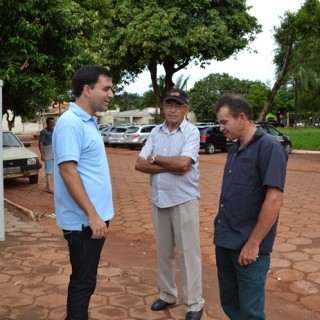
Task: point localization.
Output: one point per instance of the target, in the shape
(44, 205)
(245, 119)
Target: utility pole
(1, 174)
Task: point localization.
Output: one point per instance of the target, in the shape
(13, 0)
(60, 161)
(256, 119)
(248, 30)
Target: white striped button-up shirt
(167, 189)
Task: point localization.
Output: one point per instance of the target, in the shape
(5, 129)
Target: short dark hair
(236, 104)
(48, 119)
(88, 75)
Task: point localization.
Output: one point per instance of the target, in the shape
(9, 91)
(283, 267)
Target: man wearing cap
(171, 157)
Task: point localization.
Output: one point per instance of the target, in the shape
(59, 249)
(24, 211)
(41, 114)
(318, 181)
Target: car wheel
(34, 179)
(288, 148)
(210, 148)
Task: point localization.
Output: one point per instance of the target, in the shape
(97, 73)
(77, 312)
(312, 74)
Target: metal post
(1, 174)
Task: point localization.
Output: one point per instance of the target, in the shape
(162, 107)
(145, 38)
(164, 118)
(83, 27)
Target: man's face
(101, 94)
(51, 124)
(231, 127)
(174, 111)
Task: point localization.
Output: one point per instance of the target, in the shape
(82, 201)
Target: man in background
(45, 147)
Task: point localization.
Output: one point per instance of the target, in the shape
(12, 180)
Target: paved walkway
(34, 265)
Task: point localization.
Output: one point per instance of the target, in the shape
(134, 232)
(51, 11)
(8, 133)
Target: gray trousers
(178, 227)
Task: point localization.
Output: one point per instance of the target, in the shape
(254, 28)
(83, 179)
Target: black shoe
(194, 315)
(161, 305)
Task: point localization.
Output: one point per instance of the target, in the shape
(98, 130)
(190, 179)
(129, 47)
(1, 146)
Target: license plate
(11, 170)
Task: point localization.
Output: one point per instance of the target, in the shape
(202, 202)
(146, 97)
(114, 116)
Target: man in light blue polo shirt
(82, 190)
(171, 158)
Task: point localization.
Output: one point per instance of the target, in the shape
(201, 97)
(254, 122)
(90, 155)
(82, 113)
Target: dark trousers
(84, 258)
(242, 288)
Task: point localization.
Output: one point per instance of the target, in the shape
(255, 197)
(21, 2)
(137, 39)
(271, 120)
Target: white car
(18, 161)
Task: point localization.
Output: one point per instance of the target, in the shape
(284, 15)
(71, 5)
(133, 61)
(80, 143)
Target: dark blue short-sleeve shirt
(247, 173)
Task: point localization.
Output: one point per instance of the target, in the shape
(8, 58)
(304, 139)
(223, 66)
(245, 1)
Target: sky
(249, 66)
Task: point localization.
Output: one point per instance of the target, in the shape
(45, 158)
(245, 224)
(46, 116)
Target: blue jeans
(84, 258)
(242, 289)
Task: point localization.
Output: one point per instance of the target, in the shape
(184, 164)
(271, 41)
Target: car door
(217, 138)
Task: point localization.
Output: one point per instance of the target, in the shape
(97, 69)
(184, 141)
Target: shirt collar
(182, 126)
(256, 136)
(84, 116)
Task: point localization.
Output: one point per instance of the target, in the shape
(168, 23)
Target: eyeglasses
(173, 106)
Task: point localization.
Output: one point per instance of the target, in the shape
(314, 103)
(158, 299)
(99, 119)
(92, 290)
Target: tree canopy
(42, 43)
(205, 92)
(297, 56)
(152, 33)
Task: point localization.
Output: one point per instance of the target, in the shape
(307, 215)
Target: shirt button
(230, 171)
(219, 221)
(221, 205)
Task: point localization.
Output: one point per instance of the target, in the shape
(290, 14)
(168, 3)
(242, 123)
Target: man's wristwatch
(152, 159)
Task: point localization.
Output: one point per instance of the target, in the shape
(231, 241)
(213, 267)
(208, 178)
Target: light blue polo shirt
(77, 138)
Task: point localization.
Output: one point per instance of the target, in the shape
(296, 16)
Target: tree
(126, 101)
(152, 33)
(206, 91)
(42, 43)
(298, 45)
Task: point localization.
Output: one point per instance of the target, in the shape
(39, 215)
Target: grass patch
(303, 138)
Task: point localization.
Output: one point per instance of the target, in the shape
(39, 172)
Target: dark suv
(212, 139)
(283, 139)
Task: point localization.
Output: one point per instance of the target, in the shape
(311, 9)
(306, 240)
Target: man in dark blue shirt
(250, 202)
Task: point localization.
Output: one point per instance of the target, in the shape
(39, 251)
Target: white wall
(20, 127)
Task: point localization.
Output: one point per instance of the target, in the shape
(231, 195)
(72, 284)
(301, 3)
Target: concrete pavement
(34, 265)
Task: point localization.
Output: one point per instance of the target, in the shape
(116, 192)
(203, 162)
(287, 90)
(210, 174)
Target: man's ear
(243, 116)
(86, 90)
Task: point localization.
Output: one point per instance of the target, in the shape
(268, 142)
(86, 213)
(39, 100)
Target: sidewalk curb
(305, 152)
(28, 212)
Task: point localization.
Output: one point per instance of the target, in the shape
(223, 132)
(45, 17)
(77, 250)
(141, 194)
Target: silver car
(116, 136)
(137, 135)
(105, 132)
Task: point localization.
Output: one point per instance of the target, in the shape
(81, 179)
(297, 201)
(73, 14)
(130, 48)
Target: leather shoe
(194, 315)
(161, 305)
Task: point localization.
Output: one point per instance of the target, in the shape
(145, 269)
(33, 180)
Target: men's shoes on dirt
(161, 305)
(194, 315)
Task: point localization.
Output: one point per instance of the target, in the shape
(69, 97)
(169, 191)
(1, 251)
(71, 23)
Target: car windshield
(9, 140)
(132, 129)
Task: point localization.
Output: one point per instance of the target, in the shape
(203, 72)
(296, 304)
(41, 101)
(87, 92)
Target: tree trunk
(155, 86)
(278, 83)
(10, 122)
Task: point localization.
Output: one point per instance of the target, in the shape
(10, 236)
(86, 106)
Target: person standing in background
(250, 202)
(171, 157)
(45, 147)
(82, 190)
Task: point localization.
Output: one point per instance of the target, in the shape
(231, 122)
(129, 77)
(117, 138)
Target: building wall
(20, 127)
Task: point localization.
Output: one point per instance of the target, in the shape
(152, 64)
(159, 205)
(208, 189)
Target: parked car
(18, 161)
(203, 130)
(104, 126)
(116, 136)
(204, 124)
(105, 132)
(137, 135)
(283, 139)
(211, 139)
